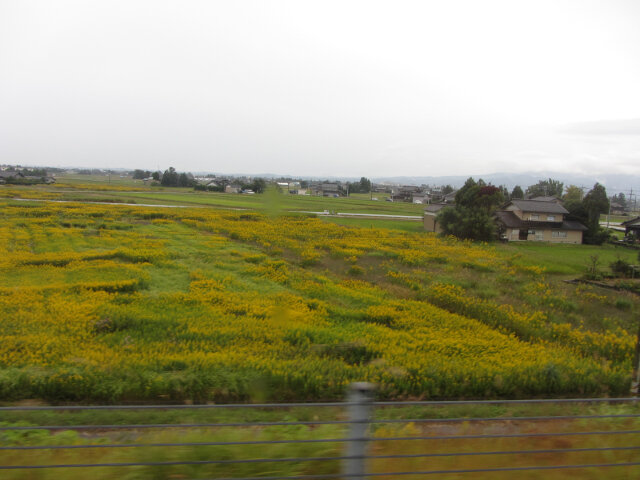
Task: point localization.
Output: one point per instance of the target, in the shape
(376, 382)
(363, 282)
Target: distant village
(541, 212)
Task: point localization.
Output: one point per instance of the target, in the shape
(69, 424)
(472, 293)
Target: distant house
(632, 227)
(430, 214)
(332, 189)
(406, 193)
(450, 198)
(15, 176)
(232, 189)
(327, 189)
(295, 188)
(8, 175)
(420, 198)
(617, 208)
(538, 220)
(379, 188)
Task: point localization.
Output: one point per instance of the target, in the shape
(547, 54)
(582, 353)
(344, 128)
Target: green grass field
(128, 192)
(566, 259)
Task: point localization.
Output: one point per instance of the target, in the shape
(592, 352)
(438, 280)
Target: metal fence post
(360, 397)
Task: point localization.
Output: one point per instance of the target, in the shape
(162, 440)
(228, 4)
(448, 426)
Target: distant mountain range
(614, 182)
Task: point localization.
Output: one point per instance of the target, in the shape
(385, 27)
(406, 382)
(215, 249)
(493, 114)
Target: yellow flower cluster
(615, 345)
(142, 303)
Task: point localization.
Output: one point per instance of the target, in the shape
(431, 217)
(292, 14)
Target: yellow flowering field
(121, 303)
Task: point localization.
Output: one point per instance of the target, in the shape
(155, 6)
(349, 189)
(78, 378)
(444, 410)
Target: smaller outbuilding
(430, 214)
(632, 227)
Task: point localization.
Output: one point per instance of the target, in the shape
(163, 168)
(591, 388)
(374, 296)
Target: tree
(517, 193)
(465, 197)
(587, 211)
(472, 216)
(184, 180)
(365, 185)
(259, 185)
(546, 188)
(572, 194)
(595, 203)
(620, 199)
(489, 198)
(156, 176)
(170, 178)
(467, 223)
(140, 174)
(447, 189)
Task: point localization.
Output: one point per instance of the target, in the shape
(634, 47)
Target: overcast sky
(344, 88)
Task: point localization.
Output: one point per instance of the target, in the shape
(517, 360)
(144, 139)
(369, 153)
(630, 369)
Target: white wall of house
(545, 235)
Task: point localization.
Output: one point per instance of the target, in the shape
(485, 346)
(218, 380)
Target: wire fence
(355, 439)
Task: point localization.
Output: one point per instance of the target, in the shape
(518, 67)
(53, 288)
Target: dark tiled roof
(633, 221)
(511, 220)
(545, 199)
(538, 206)
(435, 207)
(573, 225)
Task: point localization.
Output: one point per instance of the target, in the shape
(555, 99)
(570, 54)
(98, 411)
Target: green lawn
(566, 259)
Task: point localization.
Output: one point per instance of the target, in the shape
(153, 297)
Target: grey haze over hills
(614, 182)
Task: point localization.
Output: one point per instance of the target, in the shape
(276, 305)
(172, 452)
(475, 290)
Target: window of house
(537, 234)
(551, 218)
(535, 217)
(559, 234)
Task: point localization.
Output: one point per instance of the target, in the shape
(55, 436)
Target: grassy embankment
(280, 451)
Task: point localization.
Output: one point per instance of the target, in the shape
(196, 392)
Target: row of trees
(363, 186)
(171, 178)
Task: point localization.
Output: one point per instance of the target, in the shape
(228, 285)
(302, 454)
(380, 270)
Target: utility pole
(633, 198)
(582, 189)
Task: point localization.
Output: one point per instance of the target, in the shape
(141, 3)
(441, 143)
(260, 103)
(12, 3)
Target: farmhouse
(538, 220)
